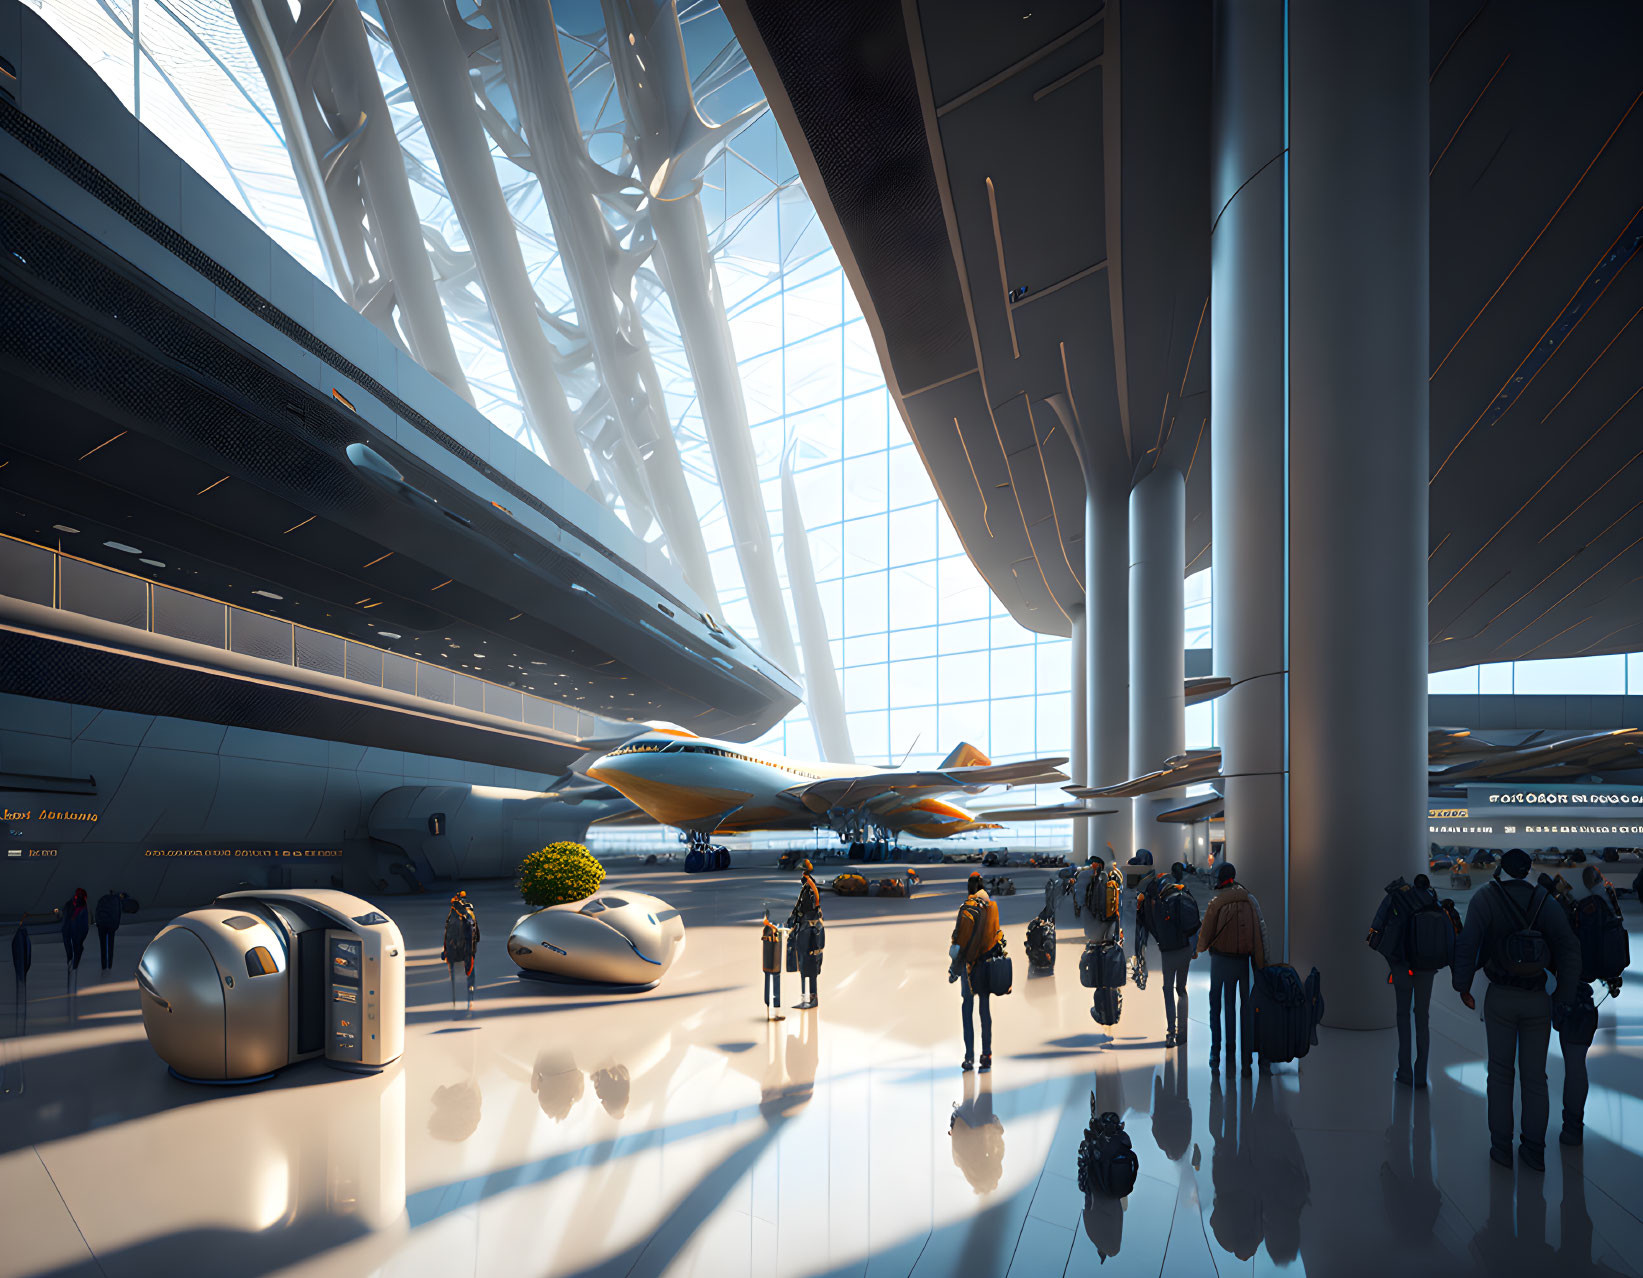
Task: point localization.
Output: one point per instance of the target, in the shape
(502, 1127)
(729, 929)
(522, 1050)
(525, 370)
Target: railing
(40, 575)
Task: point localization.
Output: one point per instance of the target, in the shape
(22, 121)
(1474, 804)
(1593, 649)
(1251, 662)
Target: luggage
(1280, 1017)
(1101, 894)
(849, 885)
(1576, 1019)
(1605, 950)
(771, 948)
(1315, 1001)
(1236, 927)
(1108, 1006)
(1524, 953)
(1041, 943)
(1106, 1159)
(1429, 939)
(1102, 966)
(1176, 918)
(458, 946)
(892, 887)
(999, 885)
(792, 949)
(994, 975)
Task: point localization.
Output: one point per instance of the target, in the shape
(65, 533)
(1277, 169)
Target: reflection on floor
(678, 1131)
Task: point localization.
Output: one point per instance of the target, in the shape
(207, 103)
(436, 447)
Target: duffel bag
(1281, 1019)
(1101, 966)
(994, 976)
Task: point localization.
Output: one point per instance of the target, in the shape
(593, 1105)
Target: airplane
(704, 787)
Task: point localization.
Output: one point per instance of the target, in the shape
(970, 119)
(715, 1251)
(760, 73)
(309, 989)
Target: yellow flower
(558, 873)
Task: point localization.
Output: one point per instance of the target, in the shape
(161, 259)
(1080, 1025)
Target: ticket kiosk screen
(345, 1002)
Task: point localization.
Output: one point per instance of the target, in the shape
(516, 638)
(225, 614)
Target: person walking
(110, 910)
(810, 937)
(1390, 935)
(75, 927)
(1591, 905)
(1166, 911)
(1516, 934)
(461, 941)
(976, 935)
(1100, 890)
(1233, 935)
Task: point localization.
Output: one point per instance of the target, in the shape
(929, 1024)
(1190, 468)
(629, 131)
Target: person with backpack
(976, 935)
(1166, 911)
(1593, 911)
(461, 941)
(1233, 934)
(1416, 937)
(110, 908)
(1100, 890)
(805, 925)
(76, 924)
(1516, 934)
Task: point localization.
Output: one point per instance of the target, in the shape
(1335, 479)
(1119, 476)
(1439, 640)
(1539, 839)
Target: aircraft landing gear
(704, 855)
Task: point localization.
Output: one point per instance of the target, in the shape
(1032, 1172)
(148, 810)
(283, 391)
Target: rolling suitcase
(1041, 943)
(1281, 1017)
(1102, 966)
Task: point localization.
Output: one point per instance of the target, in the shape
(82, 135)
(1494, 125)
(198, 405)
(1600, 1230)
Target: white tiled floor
(678, 1132)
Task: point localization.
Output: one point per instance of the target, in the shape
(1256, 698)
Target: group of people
(1516, 931)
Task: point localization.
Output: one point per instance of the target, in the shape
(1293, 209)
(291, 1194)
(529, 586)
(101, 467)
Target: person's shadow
(1409, 1192)
(978, 1135)
(1171, 1109)
(1280, 1173)
(1235, 1219)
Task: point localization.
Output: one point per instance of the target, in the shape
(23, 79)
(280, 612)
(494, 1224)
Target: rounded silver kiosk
(618, 939)
(260, 980)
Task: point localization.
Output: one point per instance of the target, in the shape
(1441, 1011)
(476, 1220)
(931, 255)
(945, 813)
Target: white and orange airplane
(705, 787)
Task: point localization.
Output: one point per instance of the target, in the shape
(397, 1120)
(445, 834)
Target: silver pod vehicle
(260, 980)
(612, 938)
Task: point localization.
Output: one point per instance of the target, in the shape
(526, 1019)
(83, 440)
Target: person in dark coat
(110, 910)
(75, 927)
(809, 937)
(1517, 1013)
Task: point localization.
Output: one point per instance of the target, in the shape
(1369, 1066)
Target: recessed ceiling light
(65, 528)
(120, 545)
(388, 634)
(266, 594)
(153, 563)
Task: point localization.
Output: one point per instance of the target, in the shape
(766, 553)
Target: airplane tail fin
(965, 755)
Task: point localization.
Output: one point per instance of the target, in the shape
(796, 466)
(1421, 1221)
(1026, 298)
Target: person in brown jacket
(1233, 934)
(976, 935)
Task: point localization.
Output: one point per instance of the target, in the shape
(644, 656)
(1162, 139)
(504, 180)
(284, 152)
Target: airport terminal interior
(592, 590)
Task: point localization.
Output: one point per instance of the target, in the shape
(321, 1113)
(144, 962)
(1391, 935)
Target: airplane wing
(1057, 812)
(1589, 752)
(1184, 769)
(854, 792)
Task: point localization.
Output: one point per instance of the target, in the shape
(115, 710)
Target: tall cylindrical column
(1358, 462)
(1078, 763)
(1247, 444)
(1158, 724)
(1319, 354)
(1107, 631)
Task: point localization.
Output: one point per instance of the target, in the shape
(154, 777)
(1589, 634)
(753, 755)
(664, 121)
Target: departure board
(347, 1007)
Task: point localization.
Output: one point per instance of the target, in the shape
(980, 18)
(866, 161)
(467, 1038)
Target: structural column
(1318, 380)
(1358, 462)
(1107, 637)
(1158, 725)
(1078, 764)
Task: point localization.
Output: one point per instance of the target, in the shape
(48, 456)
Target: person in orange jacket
(976, 935)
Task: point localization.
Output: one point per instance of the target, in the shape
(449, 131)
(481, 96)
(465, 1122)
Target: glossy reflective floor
(678, 1132)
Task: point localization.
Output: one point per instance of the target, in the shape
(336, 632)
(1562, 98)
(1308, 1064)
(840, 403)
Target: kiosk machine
(263, 979)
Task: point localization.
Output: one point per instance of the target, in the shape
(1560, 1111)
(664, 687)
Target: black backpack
(1102, 966)
(1523, 954)
(1041, 943)
(1281, 1016)
(1106, 1159)
(1175, 917)
(458, 937)
(1605, 949)
(1428, 938)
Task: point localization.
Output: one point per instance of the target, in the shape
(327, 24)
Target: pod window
(259, 962)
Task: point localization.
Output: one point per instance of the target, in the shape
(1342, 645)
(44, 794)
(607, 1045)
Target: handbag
(994, 976)
(1576, 1019)
(792, 949)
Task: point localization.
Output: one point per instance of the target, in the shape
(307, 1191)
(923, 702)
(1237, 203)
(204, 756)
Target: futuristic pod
(613, 938)
(263, 979)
